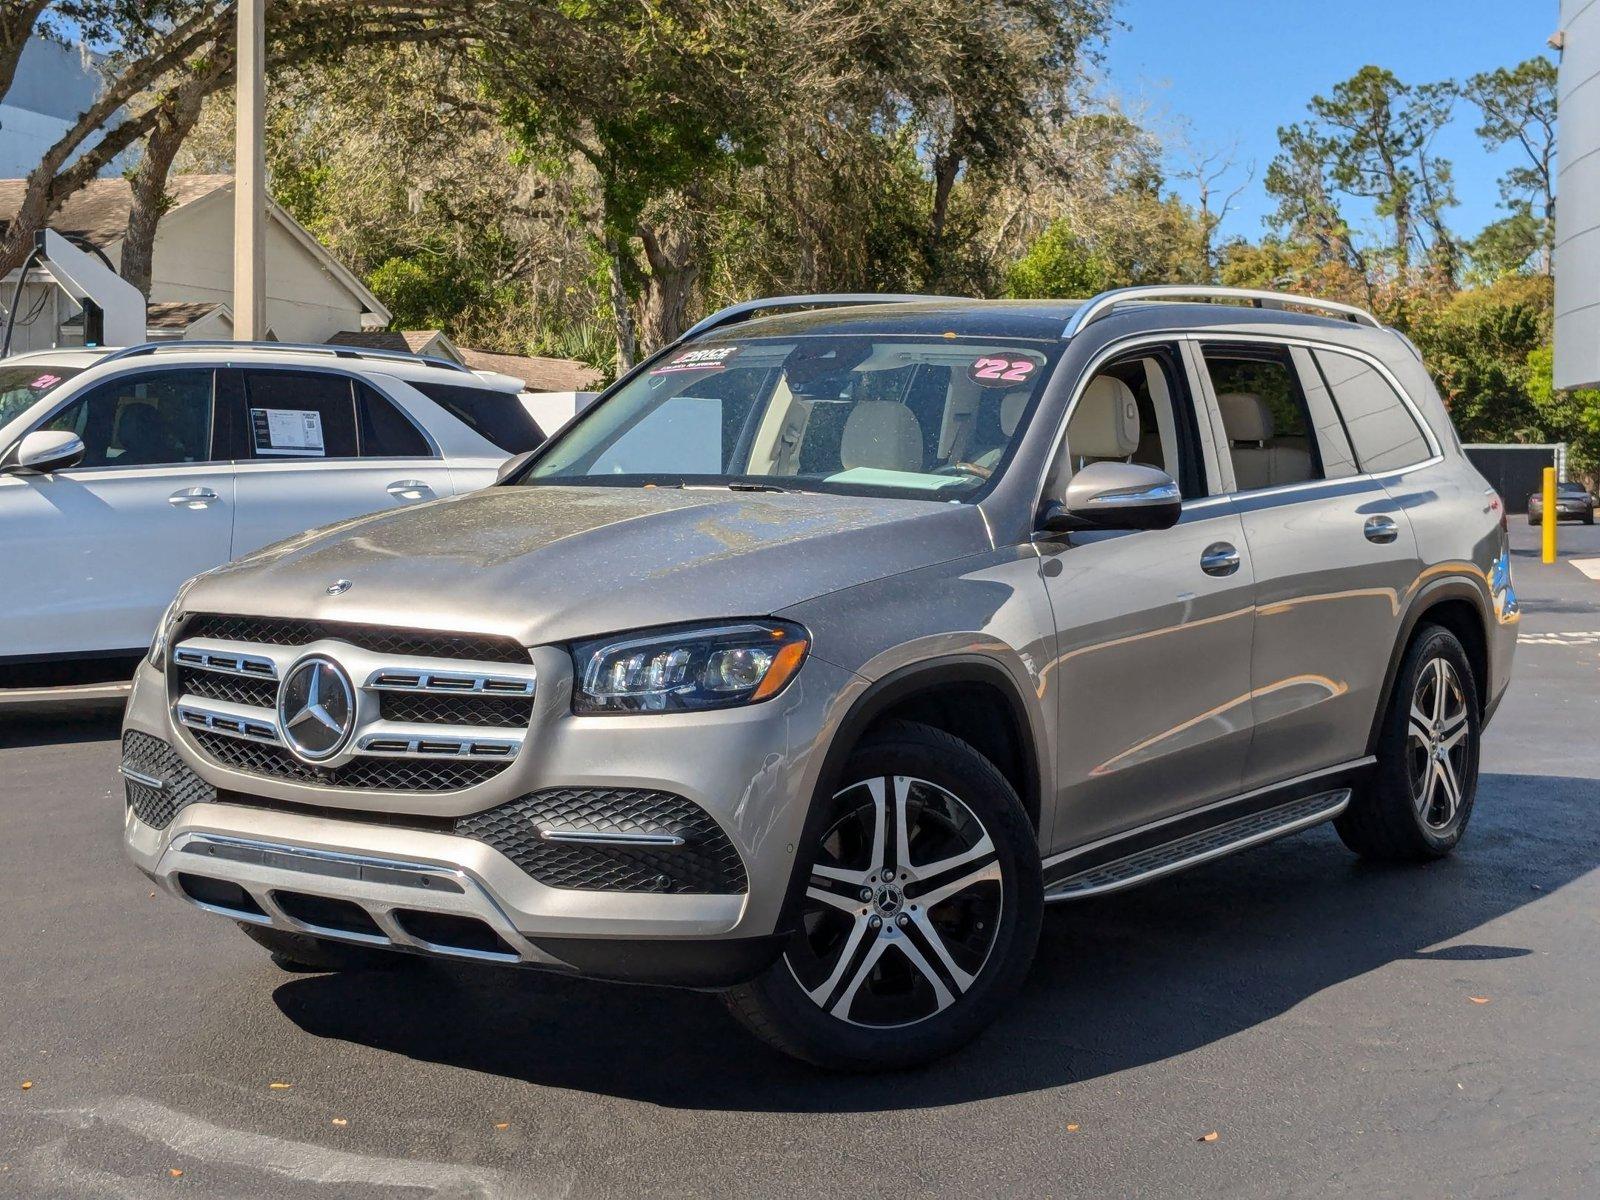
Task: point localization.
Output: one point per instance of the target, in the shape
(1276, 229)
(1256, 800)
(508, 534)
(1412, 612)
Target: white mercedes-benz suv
(125, 472)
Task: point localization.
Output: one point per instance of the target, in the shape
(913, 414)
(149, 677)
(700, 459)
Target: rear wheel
(1418, 802)
(301, 952)
(921, 911)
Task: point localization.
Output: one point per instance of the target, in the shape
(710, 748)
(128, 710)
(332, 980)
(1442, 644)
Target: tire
(1532, 520)
(300, 952)
(1588, 518)
(1416, 805)
(925, 979)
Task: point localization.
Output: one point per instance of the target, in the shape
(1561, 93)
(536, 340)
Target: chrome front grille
(449, 723)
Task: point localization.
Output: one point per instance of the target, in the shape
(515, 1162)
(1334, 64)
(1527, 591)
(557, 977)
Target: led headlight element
(669, 670)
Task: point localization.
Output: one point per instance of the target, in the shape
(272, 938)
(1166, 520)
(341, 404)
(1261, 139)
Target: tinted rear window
(495, 416)
(1385, 435)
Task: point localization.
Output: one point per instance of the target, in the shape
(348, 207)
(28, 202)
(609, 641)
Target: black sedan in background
(1573, 502)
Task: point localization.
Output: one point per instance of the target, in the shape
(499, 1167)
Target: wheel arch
(1458, 605)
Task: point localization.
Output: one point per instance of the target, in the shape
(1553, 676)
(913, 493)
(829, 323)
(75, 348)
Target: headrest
(882, 434)
(1011, 410)
(1245, 417)
(1106, 421)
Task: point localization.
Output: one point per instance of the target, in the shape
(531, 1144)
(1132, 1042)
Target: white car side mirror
(47, 450)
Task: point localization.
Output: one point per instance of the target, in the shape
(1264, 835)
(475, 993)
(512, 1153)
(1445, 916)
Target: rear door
(314, 447)
(95, 553)
(1334, 553)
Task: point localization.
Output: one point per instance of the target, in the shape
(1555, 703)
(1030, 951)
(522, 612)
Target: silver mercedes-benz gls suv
(833, 643)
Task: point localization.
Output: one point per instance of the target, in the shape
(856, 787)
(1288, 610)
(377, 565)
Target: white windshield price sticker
(288, 432)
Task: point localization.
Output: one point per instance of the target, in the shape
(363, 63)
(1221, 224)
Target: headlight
(669, 670)
(166, 626)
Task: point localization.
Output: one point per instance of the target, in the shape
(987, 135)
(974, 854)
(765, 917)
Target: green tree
(1059, 265)
(1518, 106)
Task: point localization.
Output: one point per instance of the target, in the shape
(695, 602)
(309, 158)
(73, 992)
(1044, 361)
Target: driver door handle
(1381, 530)
(409, 491)
(1220, 558)
(195, 497)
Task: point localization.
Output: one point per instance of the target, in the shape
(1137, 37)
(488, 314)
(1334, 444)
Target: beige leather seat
(882, 434)
(1011, 408)
(1257, 461)
(1105, 425)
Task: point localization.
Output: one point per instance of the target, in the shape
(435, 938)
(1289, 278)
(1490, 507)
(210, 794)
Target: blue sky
(1235, 70)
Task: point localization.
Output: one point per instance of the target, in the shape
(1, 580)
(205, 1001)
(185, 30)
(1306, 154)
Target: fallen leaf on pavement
(1072, 1129)
(278, 1087)
(174, 1172)
(340, 1121)
(26, 1084)
(1209, 1137)
(1479, 999)
(503, 1125)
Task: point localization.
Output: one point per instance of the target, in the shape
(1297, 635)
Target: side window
(385, 431)
(1264, 415)
(1138, 409)
(298, 414)
(1382, 430)
(1333, 441)
(495, 416)
(154, 418)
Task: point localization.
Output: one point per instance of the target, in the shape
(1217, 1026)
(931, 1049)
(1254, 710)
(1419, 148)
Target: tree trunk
(17, 19)
(149, 182)
(945, 169)
(621, 306)
(673, 273)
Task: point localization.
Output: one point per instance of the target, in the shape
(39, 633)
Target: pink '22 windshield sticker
(1000, 371)
(45, 381)
(709, 359)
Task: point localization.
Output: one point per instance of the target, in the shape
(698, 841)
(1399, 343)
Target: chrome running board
(1185, 852)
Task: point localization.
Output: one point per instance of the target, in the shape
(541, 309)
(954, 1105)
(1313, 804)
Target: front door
(1152, 663)
(93, 554)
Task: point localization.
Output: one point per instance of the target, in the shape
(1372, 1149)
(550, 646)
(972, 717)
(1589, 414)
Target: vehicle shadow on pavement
(82, 723)
(1120, 981)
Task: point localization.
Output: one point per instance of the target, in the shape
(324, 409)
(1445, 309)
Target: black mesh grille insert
(380, 639)
(151, 756)
(373, 774)
(706, 863)
(433, 709)
(213, 685)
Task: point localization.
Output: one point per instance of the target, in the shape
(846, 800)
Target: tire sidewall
(950, 764)
(1434, 642)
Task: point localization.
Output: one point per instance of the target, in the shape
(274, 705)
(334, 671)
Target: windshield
(859, 414)
(1572, 489)
(22, 384)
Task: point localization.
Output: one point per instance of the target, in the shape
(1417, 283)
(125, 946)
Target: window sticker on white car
(288, 432)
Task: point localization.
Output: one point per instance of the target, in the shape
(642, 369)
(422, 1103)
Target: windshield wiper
(741, 486)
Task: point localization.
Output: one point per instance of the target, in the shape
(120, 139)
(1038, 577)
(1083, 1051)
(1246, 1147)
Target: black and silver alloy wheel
(1437, 743)
(902, 906)
(916, 915)
(1418, 799)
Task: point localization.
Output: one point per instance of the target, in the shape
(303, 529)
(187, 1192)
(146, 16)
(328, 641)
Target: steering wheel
(965, 468)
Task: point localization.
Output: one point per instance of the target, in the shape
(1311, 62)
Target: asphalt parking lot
(1344, 1030)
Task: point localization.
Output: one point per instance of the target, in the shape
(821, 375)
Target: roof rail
(1101, 305)
(742, 311)
(149, 348)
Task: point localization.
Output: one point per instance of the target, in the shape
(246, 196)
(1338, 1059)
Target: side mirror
(46, 450)
(1115, 495)
(512, 465)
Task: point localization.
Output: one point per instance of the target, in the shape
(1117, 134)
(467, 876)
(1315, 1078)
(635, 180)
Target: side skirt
(1167, 847)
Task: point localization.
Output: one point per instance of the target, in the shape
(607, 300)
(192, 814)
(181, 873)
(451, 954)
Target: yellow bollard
(1547, 519)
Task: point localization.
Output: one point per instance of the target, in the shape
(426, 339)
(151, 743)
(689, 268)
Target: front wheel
(920, 916)
(1417, 803)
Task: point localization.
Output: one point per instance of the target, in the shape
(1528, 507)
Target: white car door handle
(195, 497)
(409, 491)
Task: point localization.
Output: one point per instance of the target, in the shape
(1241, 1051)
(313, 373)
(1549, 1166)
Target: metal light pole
(250, 177)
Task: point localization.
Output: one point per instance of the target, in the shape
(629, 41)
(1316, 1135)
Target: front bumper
(357, 867)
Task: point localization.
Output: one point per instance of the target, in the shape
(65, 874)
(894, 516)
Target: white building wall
(1577, 334)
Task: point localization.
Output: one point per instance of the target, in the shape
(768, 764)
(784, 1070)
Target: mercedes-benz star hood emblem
(316, 708)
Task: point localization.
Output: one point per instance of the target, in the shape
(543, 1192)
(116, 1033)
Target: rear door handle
(409, 491)
(1220, 558)
(1382, 530)
(195, 497)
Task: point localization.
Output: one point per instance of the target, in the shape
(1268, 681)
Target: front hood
(549, 564)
